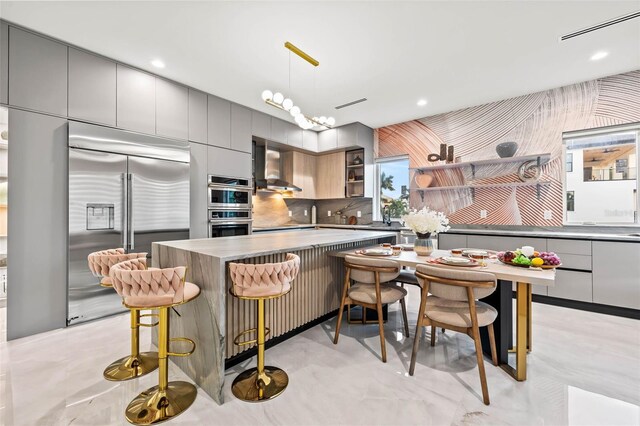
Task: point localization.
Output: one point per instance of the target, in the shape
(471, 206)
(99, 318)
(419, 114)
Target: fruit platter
(526, 258)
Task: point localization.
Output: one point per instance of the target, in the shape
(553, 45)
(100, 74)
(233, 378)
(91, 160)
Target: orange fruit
(536, 261)
(536, 253)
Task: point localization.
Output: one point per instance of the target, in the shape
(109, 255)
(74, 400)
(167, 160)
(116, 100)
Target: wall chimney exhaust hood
(268, 171)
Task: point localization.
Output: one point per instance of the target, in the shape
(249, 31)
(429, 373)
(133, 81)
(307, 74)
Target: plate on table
(376, 252)
(457, 261)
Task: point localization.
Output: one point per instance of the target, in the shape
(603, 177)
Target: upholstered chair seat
(366, 293)
(265, 279)
(457, 313)
(100, 262)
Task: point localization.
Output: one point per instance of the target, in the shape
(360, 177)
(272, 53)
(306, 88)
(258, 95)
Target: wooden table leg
(529, 315)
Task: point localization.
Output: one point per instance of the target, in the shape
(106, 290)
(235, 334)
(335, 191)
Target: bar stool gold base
(155, 406)
(247, 388)
(131, 366)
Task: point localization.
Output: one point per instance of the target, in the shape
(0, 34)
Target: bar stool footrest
(153, 324)
(237, 342)
(182, 339)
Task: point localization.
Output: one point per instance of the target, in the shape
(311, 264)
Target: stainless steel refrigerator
(125, 190)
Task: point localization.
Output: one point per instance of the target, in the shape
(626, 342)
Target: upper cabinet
(219, 122)
(227, 162)
(37, 73)
(92, 87)
(136, 100)
(331, 175)
(347, 135)
(4, 62)
(197, 116)
(260, 124)
(310, 140)
(294, 135)
(172, 110)
(278, 130)
(240, 128)
(327, 140)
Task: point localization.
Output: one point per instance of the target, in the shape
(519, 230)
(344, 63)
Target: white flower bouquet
(426, 221)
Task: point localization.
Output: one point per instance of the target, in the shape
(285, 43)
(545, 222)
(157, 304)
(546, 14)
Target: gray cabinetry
(4, 62)
(227, 162)
(294, 135)
(260, 124)
(92, 87)
(347, 135)
(198, 192)
(451, 241)
(219, 122)
(197, 116)
(37, 73)
(505, 243)
(240, 128)
(310, 140)
(136, 100)
(365, 136)
(573, 285)
(278, 130)
(616, 272)
(172, 110)
(327, 140)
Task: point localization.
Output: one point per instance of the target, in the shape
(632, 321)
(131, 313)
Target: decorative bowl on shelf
(506, 149)
(423, 181)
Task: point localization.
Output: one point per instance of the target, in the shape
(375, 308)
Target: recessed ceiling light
(422, 102)
(599, 55)
(157, 63)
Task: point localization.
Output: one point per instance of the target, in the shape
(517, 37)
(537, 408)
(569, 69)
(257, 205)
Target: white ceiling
(454, 54)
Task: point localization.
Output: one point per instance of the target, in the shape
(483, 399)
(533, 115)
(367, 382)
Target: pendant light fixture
(278, 100)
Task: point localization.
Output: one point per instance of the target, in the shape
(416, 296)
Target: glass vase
(423, 246)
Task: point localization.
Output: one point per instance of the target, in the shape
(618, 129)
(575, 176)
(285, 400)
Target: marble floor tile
(584, 369)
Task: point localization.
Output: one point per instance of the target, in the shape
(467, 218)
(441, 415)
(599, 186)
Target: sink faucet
(386, 215)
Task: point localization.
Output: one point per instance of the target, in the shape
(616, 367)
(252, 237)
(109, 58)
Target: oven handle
(231, 188)
(230, 222)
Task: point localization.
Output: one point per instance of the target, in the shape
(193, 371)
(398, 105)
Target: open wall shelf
(537, 184)
(540, 158)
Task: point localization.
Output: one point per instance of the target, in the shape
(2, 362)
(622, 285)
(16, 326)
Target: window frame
(377, 216)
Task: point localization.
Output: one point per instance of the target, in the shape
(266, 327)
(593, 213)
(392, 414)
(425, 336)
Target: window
(392, 186)
(601, 173)
(569, 161)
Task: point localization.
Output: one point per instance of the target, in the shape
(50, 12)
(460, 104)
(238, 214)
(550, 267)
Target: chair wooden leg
(492, 342)
(380, 319)
(416, 338)
(443, 331)
(404, 317)
(476, 339)
(342, 302)
(434, 330)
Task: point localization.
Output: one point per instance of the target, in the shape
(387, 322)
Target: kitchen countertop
(548, 234)
(328, 225)
(248, 246)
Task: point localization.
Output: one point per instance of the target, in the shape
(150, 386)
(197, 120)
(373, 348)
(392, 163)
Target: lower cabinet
(616, 273)
(573, 285)
(226, 162)
(451, 241)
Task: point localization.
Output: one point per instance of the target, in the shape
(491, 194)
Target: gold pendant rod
(302, 54)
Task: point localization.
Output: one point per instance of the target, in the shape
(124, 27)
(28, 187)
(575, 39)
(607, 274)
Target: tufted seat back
(265, 279)
(100, 262)
(141, 287)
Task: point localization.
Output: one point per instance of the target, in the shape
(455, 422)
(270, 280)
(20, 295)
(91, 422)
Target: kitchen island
(215, 318)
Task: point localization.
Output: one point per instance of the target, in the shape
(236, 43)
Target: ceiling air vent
(601, 26)
(351, 103)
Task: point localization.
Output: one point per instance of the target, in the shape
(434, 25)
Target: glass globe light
(331, 121)
(278, 98)
(267, 95)
(287, 104)
(294, 111)
(322, 119)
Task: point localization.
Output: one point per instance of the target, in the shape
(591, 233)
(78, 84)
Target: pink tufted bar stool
(136, 364)
(261, 282)
(159, 289)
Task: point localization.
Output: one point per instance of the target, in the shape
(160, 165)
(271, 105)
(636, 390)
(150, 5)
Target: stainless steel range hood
(269, 171)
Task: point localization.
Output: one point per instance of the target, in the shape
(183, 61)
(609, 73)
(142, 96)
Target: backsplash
(272, 209)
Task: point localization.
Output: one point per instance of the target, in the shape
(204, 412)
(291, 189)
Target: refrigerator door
(159, 206)
(97, 183)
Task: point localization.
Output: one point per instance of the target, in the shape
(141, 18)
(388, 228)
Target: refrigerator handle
(130, 212)
(125, 211)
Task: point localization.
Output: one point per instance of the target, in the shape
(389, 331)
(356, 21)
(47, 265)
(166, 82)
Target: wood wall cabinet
(37, 72)
(136, 100)
(227, 162)
(219, 122)
(240, 128)
(616, 272)
(301, 170)
(331, 175)
(172, 110)
(198, 220)
(92, 87)
(197, 116)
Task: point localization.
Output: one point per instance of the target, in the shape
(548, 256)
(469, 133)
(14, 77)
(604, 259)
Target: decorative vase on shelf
(423, 245)
(506, 149)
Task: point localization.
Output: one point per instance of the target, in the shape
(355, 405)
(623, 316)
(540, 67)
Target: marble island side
(216, 317)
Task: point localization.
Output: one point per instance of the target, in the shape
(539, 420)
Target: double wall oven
(229, 201)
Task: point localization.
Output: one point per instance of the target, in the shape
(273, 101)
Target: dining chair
(373, 288)
(449, 300)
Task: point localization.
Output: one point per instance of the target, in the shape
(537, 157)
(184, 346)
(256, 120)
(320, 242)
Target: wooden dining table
(501, 299)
